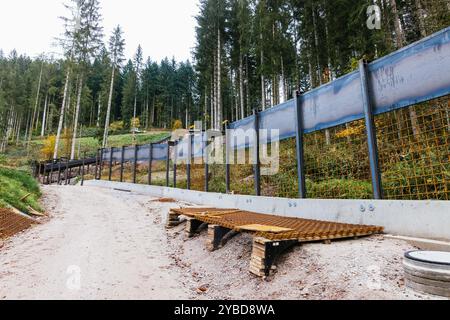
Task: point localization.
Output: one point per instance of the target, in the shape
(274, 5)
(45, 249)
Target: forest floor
(106, 244)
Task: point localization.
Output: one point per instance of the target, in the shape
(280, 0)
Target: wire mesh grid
(414, 152)
(12, 223)
(280, 179)
(198, 174)
(242, 178)
(337, 163)
(159, 172)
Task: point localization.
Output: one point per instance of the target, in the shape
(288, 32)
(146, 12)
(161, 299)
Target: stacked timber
(428, 272)
(173, 220)
(258, 259)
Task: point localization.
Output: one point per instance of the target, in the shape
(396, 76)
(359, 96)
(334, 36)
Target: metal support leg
(82, 170)
(136, 150)
(150, 162)
(59, 173)
(256, 159)
(175, 166)
(96, 165)
(227, 161)
(168, 166)
(101, 164)
(189, 161)
(300, 148)
(66, 173)
(371, 131)
(122, 159)
(206, 160)
(111, 153)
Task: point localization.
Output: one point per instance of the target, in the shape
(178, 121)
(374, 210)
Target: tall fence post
(300, 147)
(82, 170)
(66, 173)
(175, 146)
(206, 159)
(48, 176)
(136, 149)
(111, 153)
(168, 165)
(96, 165)
(59, 173)
(256, 159)
(189, 160)
(227, 160)
(122, 160)
(371, 131)
(101, 164)
(150, 162)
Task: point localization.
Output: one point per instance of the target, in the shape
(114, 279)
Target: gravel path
(105, 244)
(98, 244)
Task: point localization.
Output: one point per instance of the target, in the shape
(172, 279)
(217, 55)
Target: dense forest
(249, 54)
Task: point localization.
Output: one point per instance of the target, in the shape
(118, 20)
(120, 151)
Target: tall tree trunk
(213, 97)
(99, 111)
(108, 110)
(44, 116)
(241, 87)
(19, 124)
(153, 111)
(206, 109)
(77, 115)
(400, 41)
(319, 65)
(25, 137)
(420, 17)
(61, 116)
(219, 81)
(283, 83)
(36, 104)
(263, 80)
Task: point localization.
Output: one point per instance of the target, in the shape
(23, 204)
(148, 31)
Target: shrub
(177, 124)
(48, 148)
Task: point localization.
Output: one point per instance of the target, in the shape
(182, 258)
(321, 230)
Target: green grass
(15, 184)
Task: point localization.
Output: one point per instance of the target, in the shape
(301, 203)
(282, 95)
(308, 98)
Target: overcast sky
(162, 27)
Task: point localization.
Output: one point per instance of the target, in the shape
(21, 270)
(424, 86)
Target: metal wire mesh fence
(376, 132)
(242, 180)
(414, 151)
(280, 179)
(337, 164)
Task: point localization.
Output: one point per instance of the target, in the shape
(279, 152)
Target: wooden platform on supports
(272, 235)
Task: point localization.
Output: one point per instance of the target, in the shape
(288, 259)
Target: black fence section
(63, 170)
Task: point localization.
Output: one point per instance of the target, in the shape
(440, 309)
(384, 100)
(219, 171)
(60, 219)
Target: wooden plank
(264, 228)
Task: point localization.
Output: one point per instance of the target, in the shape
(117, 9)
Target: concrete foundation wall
(423, 219)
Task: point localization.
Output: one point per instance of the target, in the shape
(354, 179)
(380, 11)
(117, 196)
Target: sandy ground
(106, 244)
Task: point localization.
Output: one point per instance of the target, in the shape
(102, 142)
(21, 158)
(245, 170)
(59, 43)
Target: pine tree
(116, 47)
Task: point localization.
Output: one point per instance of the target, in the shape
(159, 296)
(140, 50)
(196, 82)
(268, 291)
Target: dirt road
(106, 244)
(98, 244)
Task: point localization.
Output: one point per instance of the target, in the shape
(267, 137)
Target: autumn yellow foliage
(351, 131)
(135, 123)
(177, 124)
(116, 126)
(48, 148)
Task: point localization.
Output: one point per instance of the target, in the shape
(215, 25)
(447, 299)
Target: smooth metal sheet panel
(160, 152)
(414, 74)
